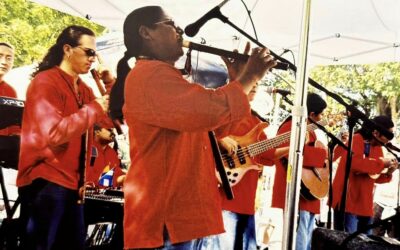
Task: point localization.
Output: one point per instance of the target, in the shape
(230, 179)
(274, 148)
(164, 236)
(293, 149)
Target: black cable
(251, 19)
(291, 52)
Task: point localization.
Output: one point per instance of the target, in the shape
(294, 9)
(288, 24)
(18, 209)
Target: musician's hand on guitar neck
(229, 144)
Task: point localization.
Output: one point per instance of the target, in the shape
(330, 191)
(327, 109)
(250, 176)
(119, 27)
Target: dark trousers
(50, 217)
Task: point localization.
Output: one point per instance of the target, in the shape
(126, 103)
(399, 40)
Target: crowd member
(60, 109)
(313, 156)
(238, 213)
(366, 165)
(6, 64)
(171, 194)
(386, 204)
(104, 159)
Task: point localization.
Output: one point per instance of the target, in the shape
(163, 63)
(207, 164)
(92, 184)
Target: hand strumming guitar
(229, 144)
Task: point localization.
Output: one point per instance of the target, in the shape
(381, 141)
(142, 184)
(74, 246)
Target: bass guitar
(237, 165)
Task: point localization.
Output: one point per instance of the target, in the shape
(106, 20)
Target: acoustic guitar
(236, 166)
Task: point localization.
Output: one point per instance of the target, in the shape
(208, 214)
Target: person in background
(59, 114)
(6, 63)
(238, 213)
(386, 204)
(171, 193)
(368, 166)
(314, 155)
(104, 160)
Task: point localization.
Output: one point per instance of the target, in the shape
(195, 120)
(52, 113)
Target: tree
(373, 88)
(32, 28)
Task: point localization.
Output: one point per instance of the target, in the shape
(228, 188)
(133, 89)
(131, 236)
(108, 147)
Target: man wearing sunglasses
(60, 111)
(171, 193)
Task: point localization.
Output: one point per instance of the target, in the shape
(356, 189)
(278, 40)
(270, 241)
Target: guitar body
(237, 165)
(315, 182)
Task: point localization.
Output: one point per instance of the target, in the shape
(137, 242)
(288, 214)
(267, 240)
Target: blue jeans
(240, 232)
(51, 217)
(354, 223)
(304, 230)
(206, 243)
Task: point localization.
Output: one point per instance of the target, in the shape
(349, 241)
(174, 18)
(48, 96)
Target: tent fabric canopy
(342, 31)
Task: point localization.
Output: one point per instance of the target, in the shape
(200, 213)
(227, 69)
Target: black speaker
(326, 239)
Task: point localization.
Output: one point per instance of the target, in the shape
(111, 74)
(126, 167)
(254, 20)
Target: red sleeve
(384, 178)
(363, 164)
(46, 112)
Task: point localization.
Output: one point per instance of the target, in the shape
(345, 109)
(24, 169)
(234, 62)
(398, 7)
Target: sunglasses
(88, 52)
(168, 22)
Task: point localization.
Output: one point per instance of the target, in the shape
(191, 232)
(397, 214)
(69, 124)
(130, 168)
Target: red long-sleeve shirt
(52, 126)
(359, 199)
(312, 156)
(171, 180)
(105, 157)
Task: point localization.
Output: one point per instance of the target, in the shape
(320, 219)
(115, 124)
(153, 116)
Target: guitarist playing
(238, 214)
(313, 156)
(367, 164)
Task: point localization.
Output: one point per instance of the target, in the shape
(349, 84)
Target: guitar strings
(260, 146)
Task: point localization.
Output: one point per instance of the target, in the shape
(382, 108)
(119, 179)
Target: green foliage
(372, 86)
(32, 28)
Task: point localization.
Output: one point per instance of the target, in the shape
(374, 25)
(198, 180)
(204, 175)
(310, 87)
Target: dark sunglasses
(88, 52)
(168, 22)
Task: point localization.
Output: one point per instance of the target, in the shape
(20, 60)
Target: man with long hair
(171, 193)
(60, 109)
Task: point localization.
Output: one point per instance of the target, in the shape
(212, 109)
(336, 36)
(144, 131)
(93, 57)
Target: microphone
(192, 29)
(271, 90)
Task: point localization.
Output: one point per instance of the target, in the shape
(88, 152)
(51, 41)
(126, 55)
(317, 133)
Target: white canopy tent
(342, 32)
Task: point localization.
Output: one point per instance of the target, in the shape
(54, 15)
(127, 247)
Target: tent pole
(297, 139)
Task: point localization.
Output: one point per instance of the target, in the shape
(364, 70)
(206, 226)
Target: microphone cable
(249, 17)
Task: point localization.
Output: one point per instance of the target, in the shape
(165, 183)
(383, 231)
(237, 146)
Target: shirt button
(205, 147)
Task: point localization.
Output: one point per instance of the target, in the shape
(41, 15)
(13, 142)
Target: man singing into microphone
(171, 193)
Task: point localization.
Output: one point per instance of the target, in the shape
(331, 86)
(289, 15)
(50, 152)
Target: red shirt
(52, 126)
(360, 187)
(245, 190)
(171, 181)
(8, 91)
(105, 157)
(312, 156)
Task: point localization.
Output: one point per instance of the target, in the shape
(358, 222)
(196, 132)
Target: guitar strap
(254, 113)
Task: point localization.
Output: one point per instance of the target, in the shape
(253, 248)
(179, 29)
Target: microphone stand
(331, 145)
(354, 115)
(286, 99)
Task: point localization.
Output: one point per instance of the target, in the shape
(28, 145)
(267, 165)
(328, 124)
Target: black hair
(70, 35)
(380, 123)
(145, 16)
(7, 45)
(96, 127)
(315, 104)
